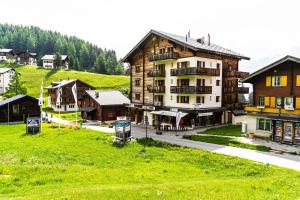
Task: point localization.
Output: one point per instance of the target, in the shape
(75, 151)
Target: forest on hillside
(83, 55)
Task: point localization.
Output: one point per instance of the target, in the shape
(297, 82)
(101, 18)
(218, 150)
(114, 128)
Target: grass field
(70, 116)
(226, 141)
(33, 76)
(84, 164)
(230, 130)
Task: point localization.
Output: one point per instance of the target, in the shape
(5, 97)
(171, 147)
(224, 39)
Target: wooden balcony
(191, 89)
(156, 89)
(195, 71)
(158, 103)
(271, 110)
(157, 73)
(236, 74)
(163, 56)
(235, 106)
(240, 90)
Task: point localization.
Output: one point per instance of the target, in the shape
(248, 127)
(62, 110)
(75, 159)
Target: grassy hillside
(84, 164)
(33, 76)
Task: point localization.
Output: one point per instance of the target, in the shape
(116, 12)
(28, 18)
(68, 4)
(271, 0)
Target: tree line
(83, 55)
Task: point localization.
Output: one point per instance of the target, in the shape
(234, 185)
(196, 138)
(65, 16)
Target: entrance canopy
(167, 113)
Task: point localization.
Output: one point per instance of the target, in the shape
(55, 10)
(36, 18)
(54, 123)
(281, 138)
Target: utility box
(244, 127)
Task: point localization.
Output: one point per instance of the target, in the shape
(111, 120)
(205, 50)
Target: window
(161, 51)
(170, 49)
(71, 106)
(183, 82)
(218, 65)
(229, 67)
(137, 82)
(276, 81)
(16, 109)
(288, 102)
(261, 101)
(183, 64)
(137, 96)
(138, 68)
(218, 83)
(200, 99)
(201, 64)
(183, 99)
(200, 82)
(263, 124)
(279, 102)
(217, 98)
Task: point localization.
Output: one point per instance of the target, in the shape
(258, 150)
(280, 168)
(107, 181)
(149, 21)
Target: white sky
(254, 28)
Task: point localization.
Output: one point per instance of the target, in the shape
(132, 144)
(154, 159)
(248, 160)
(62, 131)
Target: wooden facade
(152, 46)
(67, 95)
(92, 110)
(276, 98)
(18, 109)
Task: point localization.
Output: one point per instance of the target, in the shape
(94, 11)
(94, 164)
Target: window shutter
(283, 80)
(268, 81)
(298, 80)
(267, 101)
(272, 102)
(297, 102)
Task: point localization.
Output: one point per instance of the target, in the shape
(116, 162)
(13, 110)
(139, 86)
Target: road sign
(33, 125)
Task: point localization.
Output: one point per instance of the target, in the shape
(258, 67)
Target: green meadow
(84, 164)
(33, 76)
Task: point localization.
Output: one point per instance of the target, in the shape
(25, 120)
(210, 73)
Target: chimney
(186, 38)
(200, 40)
(208, 39)
(189, 34)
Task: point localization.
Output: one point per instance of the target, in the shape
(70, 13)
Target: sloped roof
(15, 98)
(5, 50)
(108, 97)
(270, 66)
(52, 57)
(61, 83)
(190, 43)
(3, 70)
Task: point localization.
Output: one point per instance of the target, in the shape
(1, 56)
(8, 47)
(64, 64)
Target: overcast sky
(254, 28)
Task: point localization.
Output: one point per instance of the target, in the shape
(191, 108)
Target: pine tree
(57, 61)
(15, 86)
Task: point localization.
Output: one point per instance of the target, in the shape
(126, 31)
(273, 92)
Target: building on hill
(104, 105)
(67, 99)
(18, 109)
(25, 58)
(275, 112)
(6, 75)
(6, 54)
(49, 60)
(171, 73)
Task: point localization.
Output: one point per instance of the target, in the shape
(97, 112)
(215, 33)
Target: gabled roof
(15, 98)
(270, 66)
(52, 57)
(5, 50)
(189, 43)
(3, 70)
(108, 97)
(62, 83)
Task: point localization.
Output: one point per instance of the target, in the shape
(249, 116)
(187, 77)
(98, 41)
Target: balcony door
(183, 82)
(160, 67)
(159, 83)
(200, 82)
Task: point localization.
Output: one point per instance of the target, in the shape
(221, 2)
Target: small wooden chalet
(25, 58)
(67, 99)
(104, 105)
(18, 109)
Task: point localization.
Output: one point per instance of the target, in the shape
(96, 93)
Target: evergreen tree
(57, 60)
(15, 87)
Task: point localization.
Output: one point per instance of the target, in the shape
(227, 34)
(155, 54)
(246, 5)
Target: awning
(167, 113)
(205, 114)
(87, 109)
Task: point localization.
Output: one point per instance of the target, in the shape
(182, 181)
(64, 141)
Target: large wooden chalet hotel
(171, 73)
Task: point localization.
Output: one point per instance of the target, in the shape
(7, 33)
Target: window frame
(266, 123)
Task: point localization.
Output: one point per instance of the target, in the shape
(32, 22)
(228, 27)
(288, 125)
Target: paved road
(282, 160)
(288, 161)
